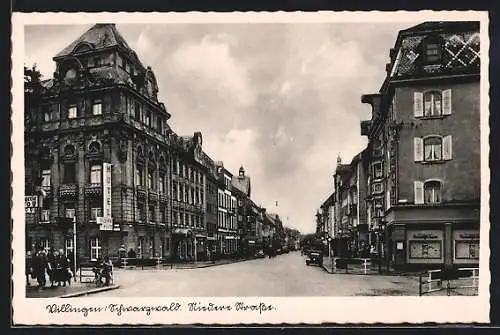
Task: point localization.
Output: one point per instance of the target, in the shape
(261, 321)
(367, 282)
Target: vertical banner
(107, 220)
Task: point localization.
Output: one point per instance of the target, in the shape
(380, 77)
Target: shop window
(72, 112)
(467, 249)
(432, 192)
(425, 249)
(96, 174)
(95, 248)
(97, 107)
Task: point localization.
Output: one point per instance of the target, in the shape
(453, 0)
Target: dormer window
(432, 51)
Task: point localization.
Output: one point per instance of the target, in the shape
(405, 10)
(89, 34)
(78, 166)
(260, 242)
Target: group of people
(103, 270)
(53, 263)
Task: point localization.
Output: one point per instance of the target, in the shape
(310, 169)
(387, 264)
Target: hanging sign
(106, 222)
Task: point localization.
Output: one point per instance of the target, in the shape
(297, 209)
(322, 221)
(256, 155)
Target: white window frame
(96, 174)
(70, 213)
(162, 184)
(68, 246)
(432, 103)
(97, 107)
(72, 112)
(95, 248)
(95, 212)
(434, 192)
(45, 244)
(46, 178)
(45, 215)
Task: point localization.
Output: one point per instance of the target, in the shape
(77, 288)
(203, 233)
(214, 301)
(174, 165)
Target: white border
(289, 310)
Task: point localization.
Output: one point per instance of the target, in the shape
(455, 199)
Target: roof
(100, 36)
(437, 26)
(242, 183)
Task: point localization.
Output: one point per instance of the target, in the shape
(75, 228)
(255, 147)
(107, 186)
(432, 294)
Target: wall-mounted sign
(106, 220)
(466, 235)
(31, 201)
(425, 235)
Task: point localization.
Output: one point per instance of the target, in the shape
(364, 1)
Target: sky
(280, 99)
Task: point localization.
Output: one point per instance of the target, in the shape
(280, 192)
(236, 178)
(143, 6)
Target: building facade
(227, 229)
(424, 145)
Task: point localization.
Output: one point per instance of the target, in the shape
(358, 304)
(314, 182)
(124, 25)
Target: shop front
(466, 246)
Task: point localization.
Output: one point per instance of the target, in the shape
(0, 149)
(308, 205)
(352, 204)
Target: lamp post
(74, 248)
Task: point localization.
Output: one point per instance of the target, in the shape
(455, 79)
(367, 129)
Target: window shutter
(418, 149)
(447, 148)
(419, 192)
(418, 105)
(447, 102)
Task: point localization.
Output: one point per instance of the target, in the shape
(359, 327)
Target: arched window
(433, 103)
(69, 150)
(94, 147)
(433, 149)
(432, 192)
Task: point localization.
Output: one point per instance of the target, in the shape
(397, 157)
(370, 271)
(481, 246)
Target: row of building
(412, 196)
(101, 158)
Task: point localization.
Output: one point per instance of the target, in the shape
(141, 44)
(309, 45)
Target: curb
(92, 291)
(208, 265)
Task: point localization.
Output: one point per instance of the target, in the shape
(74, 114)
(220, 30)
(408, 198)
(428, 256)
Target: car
(260, 254)
(314, 256)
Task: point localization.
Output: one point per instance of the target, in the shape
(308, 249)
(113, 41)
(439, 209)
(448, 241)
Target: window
(433, 149)
(69, 173)
(141, 211)
(432, 104)
(69, 211)
(95, 212)
(148, 118)
(467, 249)
(97, 107)
(181, 219)
(377, 170)
(46, 116)
(95, 248)
(432, 52)
(68, 246)
(72, 112)
(174, 191)
(159, 124)
(432, 192)
(376, 187)
(163, 214)
(98, 61)
(45, 244)
(96, 174)
(45, 215)
(138, 176)
(46, 178)
(137, 111)
(150, 180)
(152, 213)
(425, 249)
(162, 184)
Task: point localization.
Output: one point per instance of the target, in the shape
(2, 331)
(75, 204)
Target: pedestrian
(29, 267)
(63, 269)
(51, 266)
(107, 270)
(71, 262)
(39, 267)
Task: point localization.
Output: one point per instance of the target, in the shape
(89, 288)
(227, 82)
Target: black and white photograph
(237, 167)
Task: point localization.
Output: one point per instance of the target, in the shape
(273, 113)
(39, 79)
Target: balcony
(93, 189)
(141, 192)
(163, 198)
(152, 195)
(68, 191)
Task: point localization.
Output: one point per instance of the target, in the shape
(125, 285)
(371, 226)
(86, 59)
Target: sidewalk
(73, 290)
(191, 265)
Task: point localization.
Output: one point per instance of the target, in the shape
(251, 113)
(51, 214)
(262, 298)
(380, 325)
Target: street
(285, 275)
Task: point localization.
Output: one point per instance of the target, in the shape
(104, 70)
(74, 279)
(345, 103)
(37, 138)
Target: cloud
(282, 100)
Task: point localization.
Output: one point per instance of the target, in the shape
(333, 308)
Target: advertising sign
(106, 220)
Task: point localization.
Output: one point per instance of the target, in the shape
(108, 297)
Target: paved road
(284, 275)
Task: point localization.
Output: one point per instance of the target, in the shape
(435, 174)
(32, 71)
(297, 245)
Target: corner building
(100, 112)
(424, 148)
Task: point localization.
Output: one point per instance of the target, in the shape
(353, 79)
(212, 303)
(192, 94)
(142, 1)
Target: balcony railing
(141, 192)
(153, 196)
(93, 189)
(68, 191)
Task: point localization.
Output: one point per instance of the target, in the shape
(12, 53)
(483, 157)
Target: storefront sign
(425, 236)
(30, 203)
(104, 223)
(466, 235)
(107, 220)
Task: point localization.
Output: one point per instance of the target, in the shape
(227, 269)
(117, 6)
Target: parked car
(260, 254)
(314, 256)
